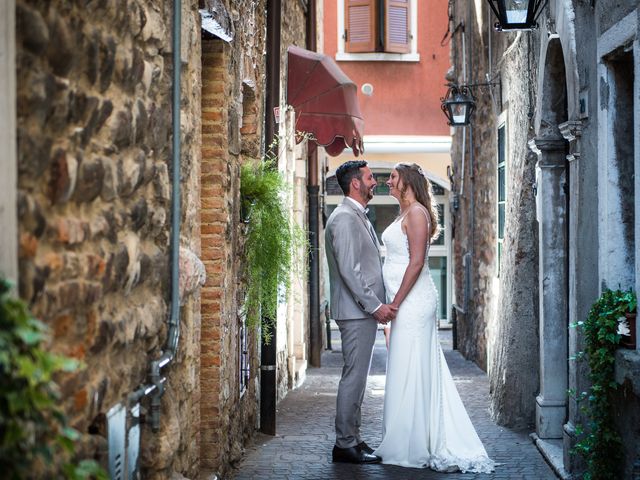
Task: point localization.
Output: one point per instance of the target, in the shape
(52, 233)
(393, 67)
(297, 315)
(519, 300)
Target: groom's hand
(385, 313)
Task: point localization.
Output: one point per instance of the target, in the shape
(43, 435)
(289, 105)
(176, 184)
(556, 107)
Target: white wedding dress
(425, 423)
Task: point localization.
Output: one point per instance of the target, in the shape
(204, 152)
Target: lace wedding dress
(425, 423)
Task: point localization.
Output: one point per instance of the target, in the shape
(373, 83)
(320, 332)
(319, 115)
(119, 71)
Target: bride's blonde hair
(413, 176)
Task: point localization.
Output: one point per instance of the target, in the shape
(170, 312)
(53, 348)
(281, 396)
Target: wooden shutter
(397, 38)
(360, 21)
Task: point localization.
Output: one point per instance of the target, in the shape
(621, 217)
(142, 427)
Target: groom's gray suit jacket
(355, 267)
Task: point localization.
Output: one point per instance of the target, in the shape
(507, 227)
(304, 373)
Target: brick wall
(216, 216)
(232, 96)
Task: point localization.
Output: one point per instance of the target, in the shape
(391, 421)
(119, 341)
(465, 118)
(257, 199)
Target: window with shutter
(397, 37)
(360, 21)
(378, 26)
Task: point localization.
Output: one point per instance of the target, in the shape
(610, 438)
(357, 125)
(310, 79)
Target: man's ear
(354, 186)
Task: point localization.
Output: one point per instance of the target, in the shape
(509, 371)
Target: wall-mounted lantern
(460, 102)
(458, 105)
(517, 14)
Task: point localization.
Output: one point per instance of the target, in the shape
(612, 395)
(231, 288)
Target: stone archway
(552, 214)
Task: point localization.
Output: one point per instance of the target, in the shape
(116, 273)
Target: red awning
(325, 101)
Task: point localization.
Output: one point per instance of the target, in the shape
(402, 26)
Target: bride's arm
(416, 227)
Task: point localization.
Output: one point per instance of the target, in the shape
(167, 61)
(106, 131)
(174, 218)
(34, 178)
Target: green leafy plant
(271, 244)
(34, 434)
(600, 443)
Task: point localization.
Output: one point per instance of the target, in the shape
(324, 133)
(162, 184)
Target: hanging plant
(271, 244)
(35, 439)
(600, 444)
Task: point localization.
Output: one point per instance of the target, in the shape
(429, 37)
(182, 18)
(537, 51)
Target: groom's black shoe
(353, 455)
(365, 448)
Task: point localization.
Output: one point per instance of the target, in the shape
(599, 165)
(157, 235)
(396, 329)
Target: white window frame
(412, 56)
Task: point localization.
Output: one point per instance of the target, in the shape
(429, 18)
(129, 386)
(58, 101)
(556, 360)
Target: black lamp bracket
(479, 85)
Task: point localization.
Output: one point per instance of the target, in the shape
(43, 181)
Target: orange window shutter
(360, 21)
(397, 38)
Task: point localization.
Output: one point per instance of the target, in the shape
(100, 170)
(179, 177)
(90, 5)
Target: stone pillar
(572, 131)
(551, 403)
(8, 179)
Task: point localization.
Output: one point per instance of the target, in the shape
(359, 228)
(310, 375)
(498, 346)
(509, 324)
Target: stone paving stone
(301, 449)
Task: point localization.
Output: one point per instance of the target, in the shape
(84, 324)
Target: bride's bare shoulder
(418, 212)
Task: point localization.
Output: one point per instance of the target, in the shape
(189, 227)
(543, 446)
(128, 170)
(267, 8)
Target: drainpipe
(313, 189)
(268, 352)
(156, 386)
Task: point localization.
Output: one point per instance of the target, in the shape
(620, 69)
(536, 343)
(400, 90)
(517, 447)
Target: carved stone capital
(550, 151)
(572, 131)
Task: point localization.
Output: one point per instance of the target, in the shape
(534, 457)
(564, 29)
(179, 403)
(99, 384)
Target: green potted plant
(272, 240)
(627, 306)
(605, 327)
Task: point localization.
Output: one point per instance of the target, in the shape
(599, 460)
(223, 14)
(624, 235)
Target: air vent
(116, 430)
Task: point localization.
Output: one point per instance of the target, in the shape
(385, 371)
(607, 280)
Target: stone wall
(475, 181)
(607, 160)
(513, 339)
(499, 329)
(94, 152)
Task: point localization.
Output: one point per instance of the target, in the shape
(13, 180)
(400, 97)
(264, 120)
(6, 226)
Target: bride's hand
(385, 313)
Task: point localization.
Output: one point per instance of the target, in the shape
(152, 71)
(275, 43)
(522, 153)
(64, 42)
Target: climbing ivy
(600, 443)
(35, 438)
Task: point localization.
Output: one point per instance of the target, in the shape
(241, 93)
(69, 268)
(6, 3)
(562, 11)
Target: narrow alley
(302, 447)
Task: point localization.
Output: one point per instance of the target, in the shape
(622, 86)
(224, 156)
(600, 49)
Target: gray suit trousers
(358, 338)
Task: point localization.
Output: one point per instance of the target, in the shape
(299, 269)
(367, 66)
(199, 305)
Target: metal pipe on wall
(156, 387)
(313, 189)
(268, 351)
(173, 336)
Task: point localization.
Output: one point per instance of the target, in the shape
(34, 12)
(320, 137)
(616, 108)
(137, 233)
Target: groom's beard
(366, 192)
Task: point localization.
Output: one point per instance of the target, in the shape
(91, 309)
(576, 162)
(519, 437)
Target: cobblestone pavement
(302, 447)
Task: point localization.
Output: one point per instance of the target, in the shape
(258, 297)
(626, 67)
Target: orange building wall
(406, 96)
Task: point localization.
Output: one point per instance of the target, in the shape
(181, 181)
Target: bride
(425, 423)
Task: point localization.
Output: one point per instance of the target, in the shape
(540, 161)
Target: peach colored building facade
(393, 52)
(406, 87)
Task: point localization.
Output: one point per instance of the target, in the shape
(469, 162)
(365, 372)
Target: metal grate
(243, 356)
(116, 431)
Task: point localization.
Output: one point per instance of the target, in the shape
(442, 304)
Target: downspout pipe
(155, 388)
(268, 351)
(313, 190)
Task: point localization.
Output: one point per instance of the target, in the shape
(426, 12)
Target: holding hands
(385, 313)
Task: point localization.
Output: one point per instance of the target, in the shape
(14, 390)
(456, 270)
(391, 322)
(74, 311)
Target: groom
(357, 303)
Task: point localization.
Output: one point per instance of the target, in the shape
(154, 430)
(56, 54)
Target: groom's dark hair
(348, 171)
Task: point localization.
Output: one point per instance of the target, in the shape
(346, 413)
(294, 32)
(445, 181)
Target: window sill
(377, 57)
(628, 368)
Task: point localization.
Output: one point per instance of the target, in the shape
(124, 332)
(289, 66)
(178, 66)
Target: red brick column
(215, 216)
